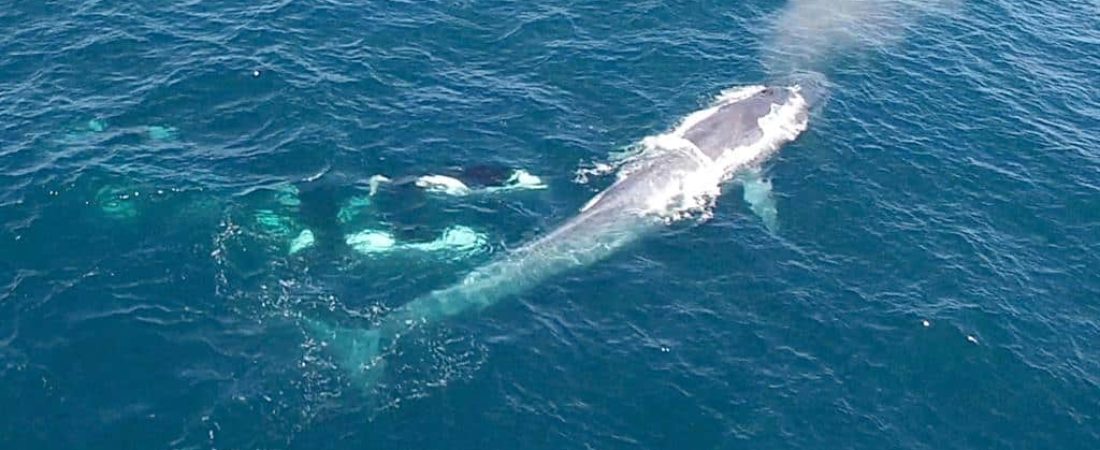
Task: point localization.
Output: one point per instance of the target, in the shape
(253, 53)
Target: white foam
(519, 181)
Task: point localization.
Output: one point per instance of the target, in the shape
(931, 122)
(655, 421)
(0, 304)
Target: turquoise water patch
(82, 132)
(97, 125)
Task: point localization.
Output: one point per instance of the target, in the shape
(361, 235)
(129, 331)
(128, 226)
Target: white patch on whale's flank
(371, 241)
(443, 185)
(519, 180)
(304, 240)
(459, 241)
(522, 179)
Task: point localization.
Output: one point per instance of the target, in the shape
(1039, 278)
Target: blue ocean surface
(933, 282)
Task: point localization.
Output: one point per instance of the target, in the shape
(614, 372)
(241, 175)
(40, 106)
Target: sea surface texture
(933, 281)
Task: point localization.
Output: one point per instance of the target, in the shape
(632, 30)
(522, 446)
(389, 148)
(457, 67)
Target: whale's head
(774, 94)
(735, 121)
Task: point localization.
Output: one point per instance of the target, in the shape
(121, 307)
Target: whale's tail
(356, 350)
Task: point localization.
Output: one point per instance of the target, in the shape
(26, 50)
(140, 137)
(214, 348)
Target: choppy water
(933, 283)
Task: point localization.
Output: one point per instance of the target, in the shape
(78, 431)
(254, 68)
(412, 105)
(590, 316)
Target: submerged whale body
(320, 204)
(678, 174)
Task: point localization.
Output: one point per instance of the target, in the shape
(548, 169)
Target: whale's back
(736, 123)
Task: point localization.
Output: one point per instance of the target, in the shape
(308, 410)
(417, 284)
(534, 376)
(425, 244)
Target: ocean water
(933, 281)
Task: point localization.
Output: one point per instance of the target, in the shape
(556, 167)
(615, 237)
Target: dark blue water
(933, 283)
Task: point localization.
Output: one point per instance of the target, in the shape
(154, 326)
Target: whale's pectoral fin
(757, 192)
(358, 351)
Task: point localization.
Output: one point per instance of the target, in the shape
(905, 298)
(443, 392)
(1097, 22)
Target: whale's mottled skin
(736, 123)
(728, 138)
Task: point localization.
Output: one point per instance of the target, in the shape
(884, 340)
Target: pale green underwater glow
(287, 195)
(117, 202)
(97, 125)
(353, 208)
(161, 133)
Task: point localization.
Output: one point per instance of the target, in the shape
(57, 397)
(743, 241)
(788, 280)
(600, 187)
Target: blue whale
(677, 174)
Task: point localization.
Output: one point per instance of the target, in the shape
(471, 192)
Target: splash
(809, 33)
